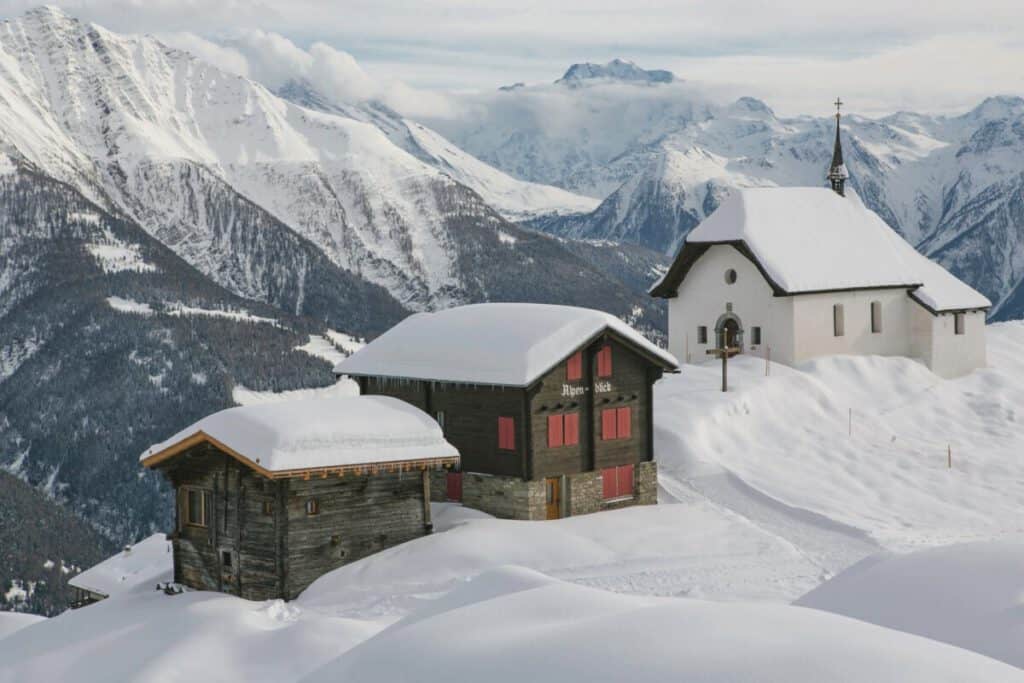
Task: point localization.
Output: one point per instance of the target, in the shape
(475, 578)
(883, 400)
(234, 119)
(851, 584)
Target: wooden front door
(554, 497)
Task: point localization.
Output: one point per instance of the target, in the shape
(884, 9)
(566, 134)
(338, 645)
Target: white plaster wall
(954, 355)
(814, 331)
(702, 299)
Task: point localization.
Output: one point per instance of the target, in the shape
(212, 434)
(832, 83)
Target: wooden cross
(725, 353)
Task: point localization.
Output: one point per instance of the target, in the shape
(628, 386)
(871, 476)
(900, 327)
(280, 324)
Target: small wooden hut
(269, 497)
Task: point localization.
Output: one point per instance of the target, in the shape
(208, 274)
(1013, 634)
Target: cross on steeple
(837, 174)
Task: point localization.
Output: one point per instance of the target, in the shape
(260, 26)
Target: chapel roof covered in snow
(810, 239)
(506, 344)
(338, 433)
(147, 562)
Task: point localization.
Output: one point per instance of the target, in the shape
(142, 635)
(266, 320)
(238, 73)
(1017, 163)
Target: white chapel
(801, 272)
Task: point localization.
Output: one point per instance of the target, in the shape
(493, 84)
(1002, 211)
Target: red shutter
(624, 475)
(608, 424)
(455, 486)
(574, 368)
(506, 433)
(572, 429)
(555, 437)
(623, 420)
(609, 483)
(604, 361)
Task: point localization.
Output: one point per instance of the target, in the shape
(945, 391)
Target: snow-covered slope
(661, 155)
(970, 595)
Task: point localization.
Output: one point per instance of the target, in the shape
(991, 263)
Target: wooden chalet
(272, 496)
(549, 406)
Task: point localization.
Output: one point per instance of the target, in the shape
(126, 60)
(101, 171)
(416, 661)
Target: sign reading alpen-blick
(570, 390)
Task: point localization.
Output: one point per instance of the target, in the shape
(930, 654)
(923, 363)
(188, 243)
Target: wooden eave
(690, 252)
(372, 467)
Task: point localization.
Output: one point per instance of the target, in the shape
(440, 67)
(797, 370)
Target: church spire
(837, 174)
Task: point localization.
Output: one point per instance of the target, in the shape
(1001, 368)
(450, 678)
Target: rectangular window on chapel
(837, 320)
(958, 323)
(876, 317)
(574, 367)
(507, 433)
(755, 336)
(604, 361)
(702, 334)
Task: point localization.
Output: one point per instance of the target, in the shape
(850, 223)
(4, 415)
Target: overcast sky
(797, 55)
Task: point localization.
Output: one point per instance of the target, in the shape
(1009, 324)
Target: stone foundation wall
(505, 497)
(513, 498)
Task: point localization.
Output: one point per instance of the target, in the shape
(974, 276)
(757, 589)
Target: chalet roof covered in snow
(498, 344)
(320, 433)
(147, 562)
(809, 239)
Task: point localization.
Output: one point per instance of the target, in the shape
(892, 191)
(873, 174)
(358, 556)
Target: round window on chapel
(730, 276)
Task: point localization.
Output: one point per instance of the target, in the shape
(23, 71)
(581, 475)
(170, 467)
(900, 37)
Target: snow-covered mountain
(661, 156)
(241, 182)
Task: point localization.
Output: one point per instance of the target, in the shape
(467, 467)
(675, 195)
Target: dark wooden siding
(236, 525)
(471, 419)
(358, 516)
(628, 387)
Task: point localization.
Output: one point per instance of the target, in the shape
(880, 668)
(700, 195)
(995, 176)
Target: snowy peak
(615, 70)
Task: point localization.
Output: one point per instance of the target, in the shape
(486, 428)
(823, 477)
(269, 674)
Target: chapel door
(554, 497)
(730, 333)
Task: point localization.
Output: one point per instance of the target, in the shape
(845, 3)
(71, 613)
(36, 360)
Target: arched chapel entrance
(729, 331)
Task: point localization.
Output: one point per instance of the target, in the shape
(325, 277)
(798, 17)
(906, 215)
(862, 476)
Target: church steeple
(837, 174)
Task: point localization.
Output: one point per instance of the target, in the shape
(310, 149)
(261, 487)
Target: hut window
(507, 433)
(702, 334)
(604, 361)
(837, 320)
(574, 367)
(958, 323)
(755, 336)
(312, 506)
(197, 507)
(876, 317)
(617, 482)
(268, 508)
(616, 423)
(225, 558)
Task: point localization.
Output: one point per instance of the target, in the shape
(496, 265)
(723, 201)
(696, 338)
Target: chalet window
(604, 361)
(197, 508)
(268, 508)
(574, 367)
(958, 323)
(837, 320)
(312, 506)
(616, 423)
(702, 334)
(876, 317)
(572, 429)
(617, 482)
(755, 336)
(507, 433)
(563, 430)
(556, 436)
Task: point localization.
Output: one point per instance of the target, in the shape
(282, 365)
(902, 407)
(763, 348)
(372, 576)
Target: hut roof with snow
(295, 437)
